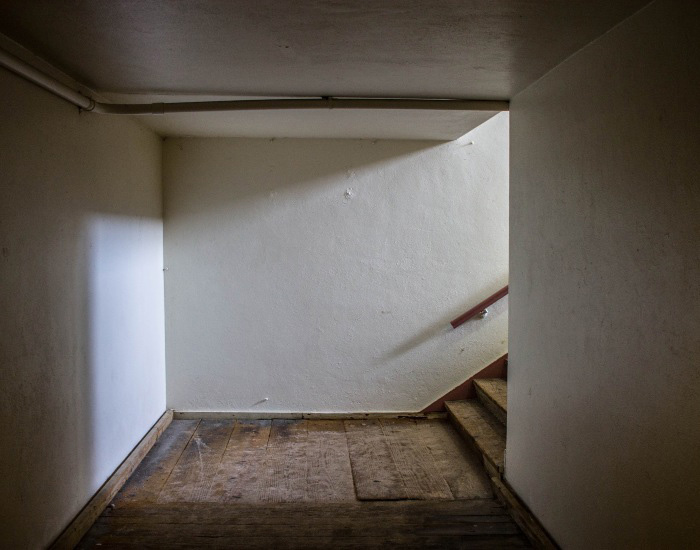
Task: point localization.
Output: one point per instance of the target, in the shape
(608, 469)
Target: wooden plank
(162, 540)
(341, 521)
(148, 479)
(374, 472)
(284, 471)
(342, 518)
(523, 516)
(87, 516)
(478, 523)
(346, 529)
(414, 461)
(192, 475)
(458, 464)
(481, 429)
(219, 415)
(268, 511)
(493, 393)
(238, 476)
(328, 471)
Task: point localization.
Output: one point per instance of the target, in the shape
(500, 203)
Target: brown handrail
(478, 308)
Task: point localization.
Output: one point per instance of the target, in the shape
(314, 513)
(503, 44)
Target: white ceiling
(471, 49)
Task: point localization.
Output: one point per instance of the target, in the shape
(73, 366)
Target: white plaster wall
(322, 274)
(604, 384)
(82, 373)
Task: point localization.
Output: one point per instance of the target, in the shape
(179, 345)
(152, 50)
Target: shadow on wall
(443, 329)
(80, 272)
(257, 169)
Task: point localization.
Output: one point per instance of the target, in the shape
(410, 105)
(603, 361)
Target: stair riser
(491, 467)
(491, 405)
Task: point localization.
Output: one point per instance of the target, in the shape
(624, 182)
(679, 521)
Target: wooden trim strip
(225, 415)
(80, 525)
(478, 308)
(522, 515)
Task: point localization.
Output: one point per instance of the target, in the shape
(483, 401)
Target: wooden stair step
(493, 393)
(482, 429)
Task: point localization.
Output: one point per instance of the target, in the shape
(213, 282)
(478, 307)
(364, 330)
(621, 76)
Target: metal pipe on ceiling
(26, 71)
(49, 83)
(287, 104)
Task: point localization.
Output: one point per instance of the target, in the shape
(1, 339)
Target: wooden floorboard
(374, 471)
(284, 471)
(191, 477)
(458, 464)
(479, 523)
(414, 461)
(225, 511)
(347, 529)
(147, 481)
(238, 477)
(328, 471)
(307, 484)
(162, 541)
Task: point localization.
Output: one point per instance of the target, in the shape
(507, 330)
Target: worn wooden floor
(409, 483)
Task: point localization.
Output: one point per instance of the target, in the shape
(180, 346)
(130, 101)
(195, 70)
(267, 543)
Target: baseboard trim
(225, 415)
(522, 515)
(80, 525)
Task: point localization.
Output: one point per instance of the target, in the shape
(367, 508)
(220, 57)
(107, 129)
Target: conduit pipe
(286, 104)
(49, 83)
(26, 71)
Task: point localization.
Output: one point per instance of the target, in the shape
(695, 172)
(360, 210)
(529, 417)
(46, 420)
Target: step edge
(491, 404)
(497, 464)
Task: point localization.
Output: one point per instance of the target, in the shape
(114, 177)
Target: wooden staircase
(482, 422)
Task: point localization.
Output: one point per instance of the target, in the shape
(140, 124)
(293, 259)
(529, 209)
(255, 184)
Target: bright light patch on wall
(126, 335)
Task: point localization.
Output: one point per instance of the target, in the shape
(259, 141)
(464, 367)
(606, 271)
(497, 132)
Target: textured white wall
(604, 384)
(322, 274)
(82, 373)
